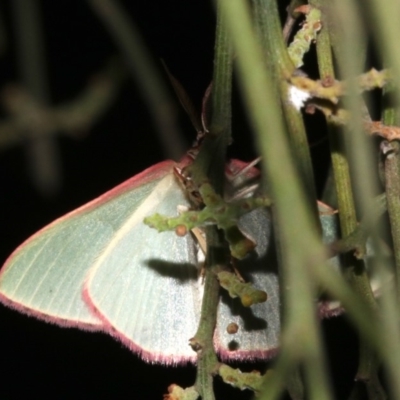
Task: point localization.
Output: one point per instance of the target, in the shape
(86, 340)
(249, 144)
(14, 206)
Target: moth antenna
(245, 192)
(200, 236)
(184, 99)
(205, 109)
(242, 179)
(245, 169)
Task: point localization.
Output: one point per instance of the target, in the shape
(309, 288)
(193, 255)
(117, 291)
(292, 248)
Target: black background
(38, 360)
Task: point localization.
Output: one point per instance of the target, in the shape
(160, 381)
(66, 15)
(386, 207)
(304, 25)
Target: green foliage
(275, 93)
(216, 211)
(267, 77)
(236, 288)
(276, 96)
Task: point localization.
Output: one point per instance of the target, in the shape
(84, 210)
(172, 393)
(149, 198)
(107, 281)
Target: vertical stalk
(340, 23)
(301, 244)
(210, 164)
(211, 159)
(43, 164)
(390, 304)
(277, 60)
(142, 69)
(392, 179)
(391, 116)
(206, 357)
(385, 13)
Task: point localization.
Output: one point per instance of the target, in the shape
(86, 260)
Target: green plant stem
(142, 68)
(222, 89)
(324, 54)
(336, 26)
(294, 385)
(357, 241)
(279, 63)
(392, 180)
(340, 168)
(275, 381)
(210, 164)
(269, 29)
(386, 37)
(385, 14)
(301, 149)
(391, 116)
(347, 213)
(207, 361)
(301, 243)
(211, 159)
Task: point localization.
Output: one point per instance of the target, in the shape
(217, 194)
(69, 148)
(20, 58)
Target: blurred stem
(210, 164)
(73, 118)
(269, 28)
(279, 64)
(43, 157)
(128, 40)
(391, 116)
(4, 38)
(277, 61)
(341, 171)
(212, 156)
(281, 373)
(329, 191)
(294, 385)
(392, 185)
(342, 26)
(385, 15)
(301, 244)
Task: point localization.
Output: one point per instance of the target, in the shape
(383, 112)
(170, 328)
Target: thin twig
(142, 69)
(73, 118)
(43, 155)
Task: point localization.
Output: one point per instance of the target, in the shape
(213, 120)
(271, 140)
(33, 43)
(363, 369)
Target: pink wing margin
(154, 172)
(233, 169)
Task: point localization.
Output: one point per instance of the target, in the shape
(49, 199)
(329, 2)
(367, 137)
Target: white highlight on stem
(298, 97)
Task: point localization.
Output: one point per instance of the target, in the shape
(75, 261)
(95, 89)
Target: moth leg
(200, 237)
(235, 269)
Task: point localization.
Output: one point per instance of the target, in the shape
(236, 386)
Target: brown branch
(27, 114)
(387, 132)
(332, 90)
(340, 116)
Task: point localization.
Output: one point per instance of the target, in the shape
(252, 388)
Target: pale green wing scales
(144, 285)
(100, 267)
(44, 276)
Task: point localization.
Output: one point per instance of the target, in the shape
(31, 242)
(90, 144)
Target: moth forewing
(144, 284)
(101, 267)
(38, 278)
(44, 276)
